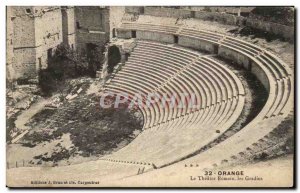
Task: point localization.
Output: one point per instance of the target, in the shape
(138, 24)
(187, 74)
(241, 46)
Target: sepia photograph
(150, 96)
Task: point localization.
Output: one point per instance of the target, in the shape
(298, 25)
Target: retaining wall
(196, 44)
(155, 36)
(167, 12)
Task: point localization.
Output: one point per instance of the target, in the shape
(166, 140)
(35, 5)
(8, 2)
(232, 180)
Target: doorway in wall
(175, 39)
(133, 34)
(92, 54)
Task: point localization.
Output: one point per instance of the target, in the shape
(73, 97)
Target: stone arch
(114, 57)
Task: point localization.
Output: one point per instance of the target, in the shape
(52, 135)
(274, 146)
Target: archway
(114, 57)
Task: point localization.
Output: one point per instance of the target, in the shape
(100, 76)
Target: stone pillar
(104, 73)
(123, 57)
(239, 12)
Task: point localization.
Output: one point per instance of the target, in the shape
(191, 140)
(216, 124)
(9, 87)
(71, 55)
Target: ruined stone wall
(47, 36)
(83, 38)
(218, 17)
(287, 32)
(25, 63)
(68, 26)
(123, 33)
(34, 32)
(23, 27)
(167, 12)
(134, 9)
(24, 42)
(91, 17)
(71, 27)
(9, 43)
(92, 26)
(222, 16)
(115, 17)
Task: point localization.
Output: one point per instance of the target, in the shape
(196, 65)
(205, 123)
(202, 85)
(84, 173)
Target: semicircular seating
(169, 132)
(273, 73)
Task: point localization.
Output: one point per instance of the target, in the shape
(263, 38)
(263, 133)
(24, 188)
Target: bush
(66, 63)
(283, 15)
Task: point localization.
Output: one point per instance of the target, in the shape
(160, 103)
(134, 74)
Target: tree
(61, 66)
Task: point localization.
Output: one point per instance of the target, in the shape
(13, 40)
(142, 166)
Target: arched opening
(114, 57)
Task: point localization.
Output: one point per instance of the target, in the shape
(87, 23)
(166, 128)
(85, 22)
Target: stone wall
(25, 63)
(23, 40)
(92, 26)
(115, 17)
(155, 36)
(134, 9)
(146, 35)
(34, 32)
(196, 44)
(9, 44)
(286, 32)
(47, 36)
(167, 12)
(125, 34)
(218, 17)
(23, 22)
(260, 75)
(68, 26)
(83, 38)
(230, 54)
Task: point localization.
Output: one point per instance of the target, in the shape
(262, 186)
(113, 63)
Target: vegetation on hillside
(282, 15)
